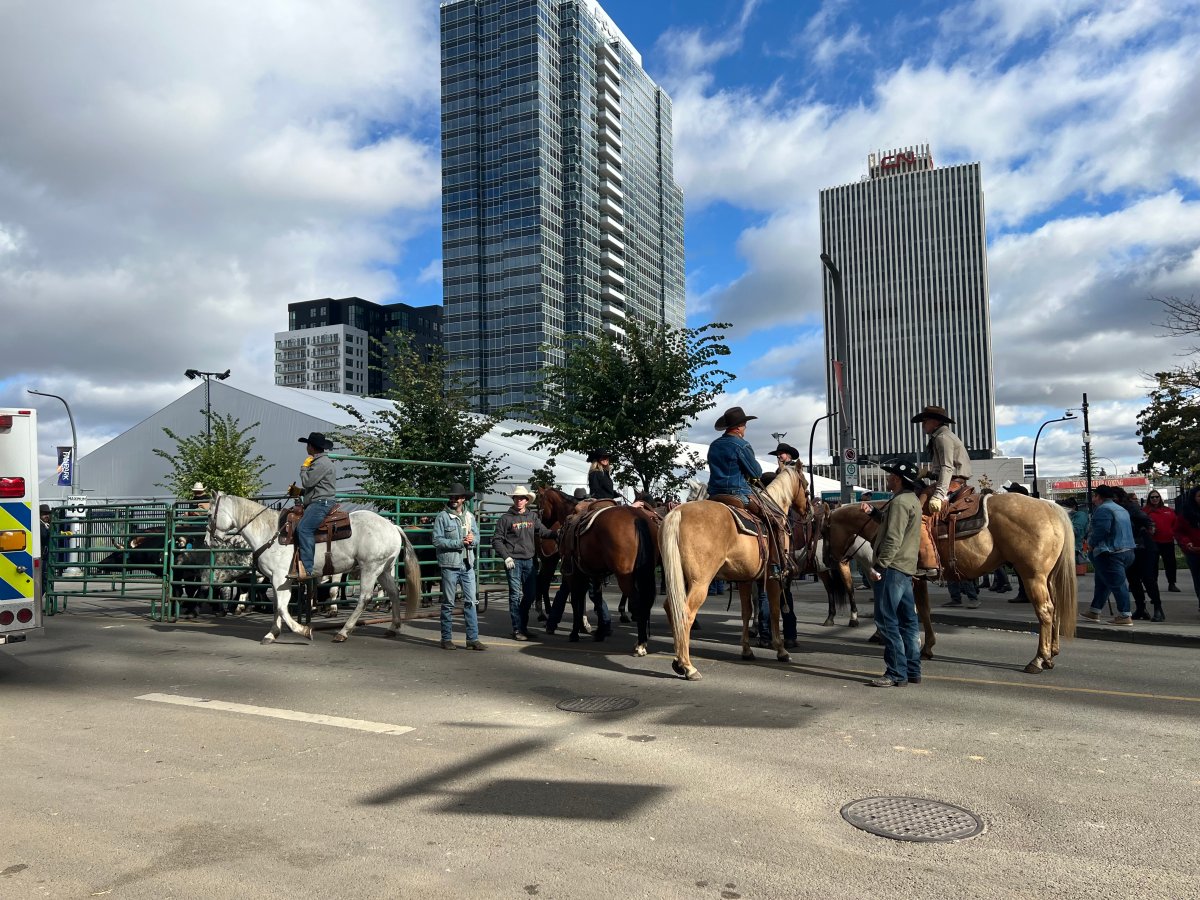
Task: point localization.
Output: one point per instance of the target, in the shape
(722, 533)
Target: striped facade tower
(911, 245)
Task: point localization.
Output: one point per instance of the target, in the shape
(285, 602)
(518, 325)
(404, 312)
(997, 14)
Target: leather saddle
(335, 526)
(574, 528)
(963, 514)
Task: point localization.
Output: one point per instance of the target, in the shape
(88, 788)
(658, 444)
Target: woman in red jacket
(1187, 533)
(1163, 518)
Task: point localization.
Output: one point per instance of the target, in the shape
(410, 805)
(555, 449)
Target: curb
(1138, 634)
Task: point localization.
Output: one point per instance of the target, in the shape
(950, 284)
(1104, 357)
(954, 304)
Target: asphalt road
(1087, 777)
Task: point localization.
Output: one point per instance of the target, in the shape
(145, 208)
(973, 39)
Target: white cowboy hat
(521, 491)
(199, 488)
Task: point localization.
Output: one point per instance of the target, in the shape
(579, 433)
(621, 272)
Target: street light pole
(75, 488)
(812, 479)
(1087, 451)
(193, 374)
(1035, 446)
(841, 352)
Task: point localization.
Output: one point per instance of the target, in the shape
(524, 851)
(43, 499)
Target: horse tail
(643, 561)
(412, 576)
(1064, 586)
(668, 540)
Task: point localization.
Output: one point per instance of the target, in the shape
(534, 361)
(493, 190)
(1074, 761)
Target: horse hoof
(625, 619)
(853, 623)
(339, 637)
(392, 632)
(747, 654)
(640, 650)
(875, 639)
(677, 668)
(926, 654)
(693, 675)
(1034, 668)
(574, 637)
(784, 656)
(829, 622)
(269, 639)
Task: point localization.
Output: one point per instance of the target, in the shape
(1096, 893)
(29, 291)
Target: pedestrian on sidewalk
(1187, 533)
(456, 541)
(1111, 542)
(1163, 518)
(895, 562)
(1142, 573)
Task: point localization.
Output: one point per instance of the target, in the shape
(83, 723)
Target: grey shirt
(948, 459)
(899, 537)
(318, 479)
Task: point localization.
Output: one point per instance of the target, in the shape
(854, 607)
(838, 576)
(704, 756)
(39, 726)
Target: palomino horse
(621, 541)
(1034, 537)
(373, 549)
(700, 542)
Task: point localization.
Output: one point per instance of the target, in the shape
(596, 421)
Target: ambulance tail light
(12, 488)
(6, 617)
(24, 615)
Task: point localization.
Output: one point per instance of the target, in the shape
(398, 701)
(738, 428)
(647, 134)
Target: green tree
(225, 462)
(544, 475)
(635, 396)
(1168, 428)
(429, 420)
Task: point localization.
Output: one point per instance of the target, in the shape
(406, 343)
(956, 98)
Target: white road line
(271, 713)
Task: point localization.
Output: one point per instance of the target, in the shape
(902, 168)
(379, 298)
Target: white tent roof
(127, 467)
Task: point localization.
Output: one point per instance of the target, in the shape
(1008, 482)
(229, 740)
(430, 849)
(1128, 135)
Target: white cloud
(779, 410)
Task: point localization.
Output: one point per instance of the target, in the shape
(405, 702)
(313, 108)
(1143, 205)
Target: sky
(173, 175)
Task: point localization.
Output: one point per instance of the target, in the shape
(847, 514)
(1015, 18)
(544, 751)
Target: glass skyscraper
(560, 212)
(911, 243)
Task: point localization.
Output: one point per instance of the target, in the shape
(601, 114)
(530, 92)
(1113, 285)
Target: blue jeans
(522, 588)
(787, 614)
(314, 514)
(1110, 579)
(452, 579)
(896, 619)
(964, 591)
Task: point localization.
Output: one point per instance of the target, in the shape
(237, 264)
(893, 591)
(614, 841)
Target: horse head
(221, 522)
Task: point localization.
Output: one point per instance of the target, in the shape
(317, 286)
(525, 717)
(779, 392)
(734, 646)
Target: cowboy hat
(1015, 487)
(933, 412)
(902, 469)
(785, 448)
(734, 416)
(318, 440)
(457, 490)
(597, 455)
(199, 488)
(580, 493)
(521, 491)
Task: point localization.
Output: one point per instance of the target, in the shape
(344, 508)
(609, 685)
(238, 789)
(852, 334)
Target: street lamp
(841, 353)
(812, 479)
(778, 435)
(1069, 415)
(192, 375)
(75, 489)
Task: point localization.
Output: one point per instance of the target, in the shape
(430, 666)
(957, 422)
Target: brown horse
(621, 541)
(699, 542)
(1035, 538)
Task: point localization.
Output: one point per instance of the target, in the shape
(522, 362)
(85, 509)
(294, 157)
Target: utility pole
(841, 350)
(1087, 452)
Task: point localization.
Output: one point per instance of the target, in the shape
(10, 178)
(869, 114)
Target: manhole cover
(912, 819)
(597, 704)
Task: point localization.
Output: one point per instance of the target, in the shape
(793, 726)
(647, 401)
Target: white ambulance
(20, 531)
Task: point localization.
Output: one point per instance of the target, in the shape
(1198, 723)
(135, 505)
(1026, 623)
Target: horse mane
(783, 485)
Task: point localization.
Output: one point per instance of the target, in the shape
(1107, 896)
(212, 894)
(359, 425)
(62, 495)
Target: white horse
(373, 549)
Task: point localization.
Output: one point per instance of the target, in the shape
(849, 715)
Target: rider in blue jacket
(731, 462)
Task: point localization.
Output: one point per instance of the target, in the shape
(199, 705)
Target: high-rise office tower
(560, 212)
(910, 242)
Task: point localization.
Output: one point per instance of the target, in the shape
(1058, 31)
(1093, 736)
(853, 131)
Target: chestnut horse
(621, 541)
(699, 542)
(1034, 537)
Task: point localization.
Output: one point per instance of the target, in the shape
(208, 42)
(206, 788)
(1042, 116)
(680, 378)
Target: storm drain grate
(912, 819)
(597, 704)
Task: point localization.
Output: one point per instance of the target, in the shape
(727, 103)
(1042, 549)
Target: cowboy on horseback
(318, 488)
(733, 470)
(786, 455)
(950, 469)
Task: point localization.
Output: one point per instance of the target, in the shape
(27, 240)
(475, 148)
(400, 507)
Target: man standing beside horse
(950, 468)
(513, 542)
(896, 547)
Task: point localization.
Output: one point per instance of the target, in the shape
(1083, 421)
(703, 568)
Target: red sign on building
(1080, 484)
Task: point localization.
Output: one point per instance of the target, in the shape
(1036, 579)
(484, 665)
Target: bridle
(212, 530)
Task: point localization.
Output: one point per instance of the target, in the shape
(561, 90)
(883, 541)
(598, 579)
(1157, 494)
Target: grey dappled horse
(373, 549)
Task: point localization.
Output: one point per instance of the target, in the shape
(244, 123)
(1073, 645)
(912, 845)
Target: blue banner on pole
(64, 467)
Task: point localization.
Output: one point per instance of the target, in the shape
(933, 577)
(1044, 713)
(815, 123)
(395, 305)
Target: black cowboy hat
(785, 448)
(457, 490)
(580, 493)
(597, 455)
(933, 412)
(904, 470)
(1015, 487)
(734, 416)
(318, 440)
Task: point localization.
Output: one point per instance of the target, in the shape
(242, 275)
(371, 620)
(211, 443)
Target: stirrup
(931, 574)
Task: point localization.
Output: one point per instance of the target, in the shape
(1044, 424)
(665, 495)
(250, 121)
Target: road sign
(850, 471)
(849, 454)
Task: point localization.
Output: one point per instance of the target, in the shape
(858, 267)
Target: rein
(258, 551)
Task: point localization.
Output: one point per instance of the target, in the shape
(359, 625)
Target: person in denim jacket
(1111, 541)
(456, 541)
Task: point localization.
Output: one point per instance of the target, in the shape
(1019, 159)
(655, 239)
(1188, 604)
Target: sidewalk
(1182, 627)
